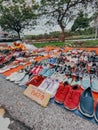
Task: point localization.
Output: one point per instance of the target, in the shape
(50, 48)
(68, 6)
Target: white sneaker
(12, 75)
(17, 75)
(52, 88)
(20, 77)
(44, 85)
(24, 81)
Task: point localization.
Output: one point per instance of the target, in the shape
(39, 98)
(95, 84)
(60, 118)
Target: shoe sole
(70, 109)
(58, 102)
(85, 114)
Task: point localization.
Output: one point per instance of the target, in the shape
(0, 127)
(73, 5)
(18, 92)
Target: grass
(89, 43)
(60, 44)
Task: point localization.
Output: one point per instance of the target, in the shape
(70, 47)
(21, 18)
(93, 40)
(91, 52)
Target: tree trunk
(63, 31)
(96, 33)
(18, 32)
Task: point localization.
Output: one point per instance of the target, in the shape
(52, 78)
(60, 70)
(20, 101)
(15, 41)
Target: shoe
(86, 106)
(20, 77)
(62, 92)
(58, 76)
(38, 70)
(53, 88)
(94, 83)
(52, 60)
(5, 68)
(85, 83)
(77, 81)
(72, 99)
(11, 75)
(24, 80)
(96, 113)
(68, 79)
(49, 72)
(33, 69)
(48, 82)
(36, 81)
(43, 71)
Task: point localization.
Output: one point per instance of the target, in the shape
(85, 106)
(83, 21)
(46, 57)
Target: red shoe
(33, 70)
(73, 98)
(62, 93)
(36, 81)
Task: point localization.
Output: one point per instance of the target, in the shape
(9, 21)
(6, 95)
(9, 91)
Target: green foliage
(16, 16)
(81, 22)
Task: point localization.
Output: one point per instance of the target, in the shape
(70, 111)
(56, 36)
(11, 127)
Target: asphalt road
(35, 117)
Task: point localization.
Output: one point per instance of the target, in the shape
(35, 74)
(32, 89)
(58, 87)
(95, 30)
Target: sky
(41, 28)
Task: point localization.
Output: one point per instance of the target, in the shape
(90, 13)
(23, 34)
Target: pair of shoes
(50, 86)
(86, 105)
(68, 95)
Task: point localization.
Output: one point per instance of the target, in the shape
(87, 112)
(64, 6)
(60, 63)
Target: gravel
(28, 115)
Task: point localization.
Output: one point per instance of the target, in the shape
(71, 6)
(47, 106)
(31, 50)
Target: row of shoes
(61, 73)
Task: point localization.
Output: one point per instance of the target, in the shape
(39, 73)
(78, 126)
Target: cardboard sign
(37, 95)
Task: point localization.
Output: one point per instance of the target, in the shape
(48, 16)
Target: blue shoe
(52, 60)
(49, 72)
(43, 71)
(87, 103)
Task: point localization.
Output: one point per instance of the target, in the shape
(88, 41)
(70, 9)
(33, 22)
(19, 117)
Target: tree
(61, 12)
(81, 22)
(16, 16)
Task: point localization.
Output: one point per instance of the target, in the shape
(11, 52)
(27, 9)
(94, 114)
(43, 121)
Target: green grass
(88, 43)
(60, 44)
(91, 43)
